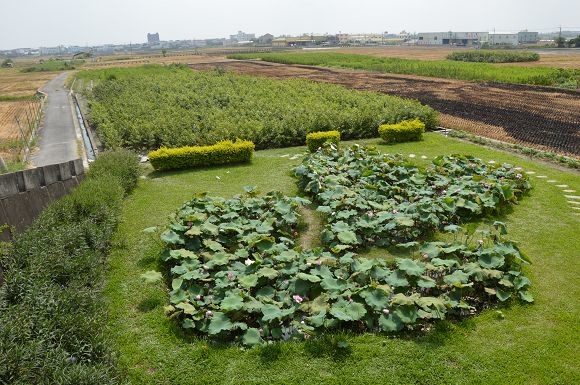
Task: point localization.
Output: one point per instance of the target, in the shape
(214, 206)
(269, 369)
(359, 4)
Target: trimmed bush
(405, 131)
(315, 140)
(225, 152)
(52, 313)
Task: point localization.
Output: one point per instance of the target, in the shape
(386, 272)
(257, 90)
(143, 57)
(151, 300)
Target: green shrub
(51, 307)
(405, 131)
(225, 152)
(315, 140)
(494, 56)
(152, 106)
(119, 163)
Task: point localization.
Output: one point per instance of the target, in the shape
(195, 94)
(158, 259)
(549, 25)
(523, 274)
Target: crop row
(435, 68)
(154, 106)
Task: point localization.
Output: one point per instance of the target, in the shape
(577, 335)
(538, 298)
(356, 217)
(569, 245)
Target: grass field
(434, 68)
(548, 57)
(534, 344)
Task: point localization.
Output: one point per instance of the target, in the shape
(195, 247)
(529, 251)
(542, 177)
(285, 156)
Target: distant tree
(164, 52)
(560, 42)
(575, 42)
(7, 63)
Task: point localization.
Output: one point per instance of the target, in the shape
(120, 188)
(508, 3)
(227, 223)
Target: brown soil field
(16, 83)
(138, 60)
(548, 58)
(8, 112)
(10, 134)
(539, 117)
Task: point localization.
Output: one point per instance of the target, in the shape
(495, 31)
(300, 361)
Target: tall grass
(566, 78)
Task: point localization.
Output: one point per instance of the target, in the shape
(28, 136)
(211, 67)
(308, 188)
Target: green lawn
(535, 344)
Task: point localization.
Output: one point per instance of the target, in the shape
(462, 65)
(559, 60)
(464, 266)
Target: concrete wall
(24, 194)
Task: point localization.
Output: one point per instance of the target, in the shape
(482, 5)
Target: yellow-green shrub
(315, 140)
(224, 152)
(405, 131)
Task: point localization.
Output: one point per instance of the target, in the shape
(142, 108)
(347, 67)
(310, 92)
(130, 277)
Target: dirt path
(539, 117)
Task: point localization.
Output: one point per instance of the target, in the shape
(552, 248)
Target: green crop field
(154, 106)
(514, 343)
(565, 78)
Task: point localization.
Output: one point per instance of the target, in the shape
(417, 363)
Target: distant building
(242, 37)
(452, 38)
(526, 37)
(47, 51)
(153, 38)
(503, 39)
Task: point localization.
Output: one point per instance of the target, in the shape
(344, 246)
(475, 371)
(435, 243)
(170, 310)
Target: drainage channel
(89, 148)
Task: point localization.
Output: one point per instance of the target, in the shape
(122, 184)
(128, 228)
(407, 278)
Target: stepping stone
(569, 191)
(530, 172)
(576, 208)
(572, 196)
(423, 157)
(562, 185)
(518, 168)
(573, 202)
(284, 156)
(541, 176)
(551, 181)
(412, 155)
(491, 162)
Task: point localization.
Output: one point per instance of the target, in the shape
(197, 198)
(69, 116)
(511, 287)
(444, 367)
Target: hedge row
(315, 140)
(52, 314)
(225, 152)
(405, 131)
(494, 56)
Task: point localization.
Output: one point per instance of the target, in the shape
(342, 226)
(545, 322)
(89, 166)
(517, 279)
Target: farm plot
(538, 117)
(16, 120)
(14, 83)
(555, 58)
(154, 106)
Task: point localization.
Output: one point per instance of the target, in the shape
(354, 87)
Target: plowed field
(532, 116)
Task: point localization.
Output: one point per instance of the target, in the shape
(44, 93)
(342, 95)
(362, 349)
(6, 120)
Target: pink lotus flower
(297, 298)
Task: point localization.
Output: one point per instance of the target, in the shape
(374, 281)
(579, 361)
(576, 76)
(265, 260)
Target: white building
(528, 37)
(452, 38)
(503, 39)
(242, 37)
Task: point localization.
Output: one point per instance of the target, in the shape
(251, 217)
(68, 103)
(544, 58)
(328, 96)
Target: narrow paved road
(57, 140)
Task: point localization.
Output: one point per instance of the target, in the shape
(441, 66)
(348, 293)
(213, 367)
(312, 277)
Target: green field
(435, 68)
(153, 106)
(522, 344)
(54, 65)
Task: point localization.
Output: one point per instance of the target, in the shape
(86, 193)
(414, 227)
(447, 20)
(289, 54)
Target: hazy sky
(34, 23)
